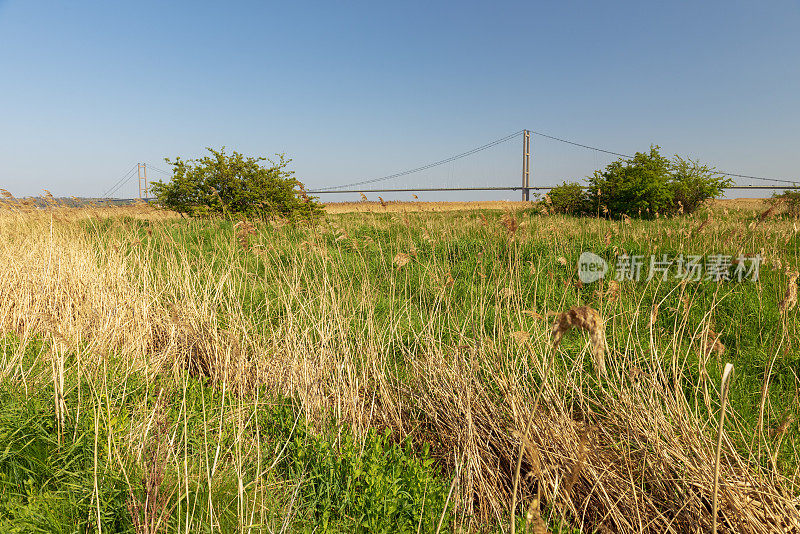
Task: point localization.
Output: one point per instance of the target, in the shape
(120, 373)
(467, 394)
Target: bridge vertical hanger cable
(119, 183)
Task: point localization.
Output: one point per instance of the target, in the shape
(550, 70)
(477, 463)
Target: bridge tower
(142, 170)
(526, 165)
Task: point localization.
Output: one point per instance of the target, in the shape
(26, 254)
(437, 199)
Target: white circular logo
(591, 267)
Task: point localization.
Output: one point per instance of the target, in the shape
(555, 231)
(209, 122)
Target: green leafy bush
(234, 186)
(649, 183)
(635, 187)
(569, 198)
(692, 184)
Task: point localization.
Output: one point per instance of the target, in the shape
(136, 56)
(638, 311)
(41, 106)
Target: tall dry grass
(620, 451)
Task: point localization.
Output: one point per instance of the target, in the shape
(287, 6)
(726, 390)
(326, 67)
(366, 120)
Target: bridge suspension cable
(512, 136)
(119, 183)
(725, 173)
(162, 171)
(424, 167)
(331, 189)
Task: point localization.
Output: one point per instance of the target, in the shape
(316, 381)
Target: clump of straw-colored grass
(634, 457)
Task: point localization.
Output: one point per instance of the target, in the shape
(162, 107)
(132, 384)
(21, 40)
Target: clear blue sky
(353, 91)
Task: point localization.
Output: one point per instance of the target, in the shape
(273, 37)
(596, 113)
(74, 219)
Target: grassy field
(392, 369)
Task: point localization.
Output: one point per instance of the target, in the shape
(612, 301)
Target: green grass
(746, 313)
(259, 457)
(335, 483)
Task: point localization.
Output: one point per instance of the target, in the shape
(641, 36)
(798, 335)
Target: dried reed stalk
(726, 378)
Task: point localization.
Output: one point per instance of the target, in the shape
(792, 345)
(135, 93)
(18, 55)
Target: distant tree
(638, 186)
(649, 183)
(235, 186)
(692, 184)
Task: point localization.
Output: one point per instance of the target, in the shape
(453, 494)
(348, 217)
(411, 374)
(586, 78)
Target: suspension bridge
(392, 183)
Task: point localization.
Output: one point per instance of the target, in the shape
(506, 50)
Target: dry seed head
(711, 343)
(243, 231)
(653, 315)
(588, 319)
(613, 291)
(784, 426)
(790, 299)
(363, 197)
(510, 222)
(401, 259)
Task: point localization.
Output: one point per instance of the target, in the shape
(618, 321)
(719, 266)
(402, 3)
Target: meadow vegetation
(392, 370)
